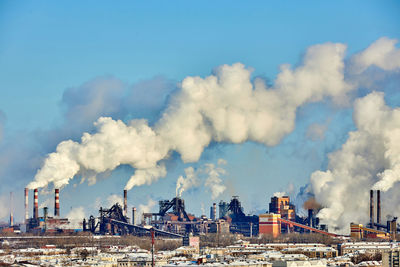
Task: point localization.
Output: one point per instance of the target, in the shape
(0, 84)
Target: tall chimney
(26, 205)
(57, 202)
(371, 208)
(35, 204)
(310, 217)
(11, 210)
(378, 206)
(214, 211)
(125, 202)
(133, 215)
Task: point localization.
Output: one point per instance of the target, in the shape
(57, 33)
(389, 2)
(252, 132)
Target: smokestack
(125, 202)
(133, 215)
(371, 208)
(310, 217)
(11, 210)
(35, 204)
(378, 206)
(26, 205)
(57, 202)
(214, 211)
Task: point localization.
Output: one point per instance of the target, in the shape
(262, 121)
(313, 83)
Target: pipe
(57, 202)
(11, 210)
(125, 202)
(371, 208)
(378, 206)
(214, 211)
(133, 215)
(26, 192)
(310, 217)
(35, 204)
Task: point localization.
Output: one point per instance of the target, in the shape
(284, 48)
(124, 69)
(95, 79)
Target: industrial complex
(173, 220)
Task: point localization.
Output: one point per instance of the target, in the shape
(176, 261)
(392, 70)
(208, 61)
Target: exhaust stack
(35, 204)
(133, 215)
(11, 210)
(378, 206)
(57, 202)
(371, 208)
(214, 211)
(125, 202)
(26, 205)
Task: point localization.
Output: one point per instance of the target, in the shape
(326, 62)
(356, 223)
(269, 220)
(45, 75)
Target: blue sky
(47, 48)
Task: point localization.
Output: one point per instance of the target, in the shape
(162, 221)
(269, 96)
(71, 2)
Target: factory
(173, 220)
(40, 224)
(375, 229)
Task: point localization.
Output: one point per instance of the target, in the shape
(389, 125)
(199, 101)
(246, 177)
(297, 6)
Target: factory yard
(232, 250)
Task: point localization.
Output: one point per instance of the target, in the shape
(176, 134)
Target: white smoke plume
(214, 182)
(113, 199)
(370, 158)
(190, 181)
(279, 194)
(207, 175)
(47, 203)
(223, 107)
(75, 217)
(144, 208)
(382, 53)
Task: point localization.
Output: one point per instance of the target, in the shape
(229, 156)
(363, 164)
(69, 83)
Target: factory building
(269, 224)
(45, 223)
(375, 229)
(282, 206)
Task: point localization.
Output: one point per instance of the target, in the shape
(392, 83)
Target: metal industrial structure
(375, 229)
(113, 221)
(173, 220)
(46, 223)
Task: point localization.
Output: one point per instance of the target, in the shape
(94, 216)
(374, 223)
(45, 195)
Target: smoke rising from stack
(368, 159)
(228, 107)
(223, 107)
(312, 204)
(207, 175)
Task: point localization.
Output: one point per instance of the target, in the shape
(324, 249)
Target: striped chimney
(26, 205)
(125, 202)
(35, 204)
(57, 202)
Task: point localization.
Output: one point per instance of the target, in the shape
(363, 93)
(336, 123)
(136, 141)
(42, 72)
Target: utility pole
(152, 247)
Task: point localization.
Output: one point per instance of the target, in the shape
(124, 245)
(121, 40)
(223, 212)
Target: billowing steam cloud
(370, 158)
(209, 175)
(214, 182)
(75, 217)
(144, 208)
(223, 107)
(190, 181)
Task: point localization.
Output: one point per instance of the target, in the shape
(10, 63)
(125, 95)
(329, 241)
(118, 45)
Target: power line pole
(152, 247)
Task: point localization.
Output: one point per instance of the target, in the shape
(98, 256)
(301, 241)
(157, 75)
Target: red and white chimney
(57, 202)
(125, 202)
(26, 205)
(35, 204)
